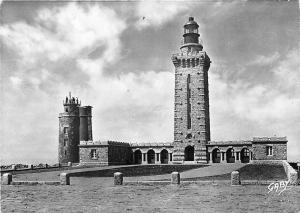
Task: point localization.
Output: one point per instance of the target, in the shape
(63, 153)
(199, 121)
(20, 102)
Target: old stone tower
(75, 125)
(191, 116)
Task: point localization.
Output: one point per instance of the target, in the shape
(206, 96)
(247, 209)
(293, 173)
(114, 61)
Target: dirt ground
(99, 195)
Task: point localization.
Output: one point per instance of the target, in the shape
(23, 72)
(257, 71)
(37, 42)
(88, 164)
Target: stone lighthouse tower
(191, 116)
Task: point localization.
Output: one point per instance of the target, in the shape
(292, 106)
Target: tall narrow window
(188, 60)
(93, 154)
(66, 131)
(65, 141)
(269, 150)
(189, 102)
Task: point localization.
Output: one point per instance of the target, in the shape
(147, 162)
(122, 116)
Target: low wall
(268, 162)
(135, 170)
(48, 169)
(291, 173)
(33, 183)
(7, 179)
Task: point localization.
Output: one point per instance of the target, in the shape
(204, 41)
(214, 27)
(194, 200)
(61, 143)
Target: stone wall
(119, 154)
(101, 155)
(291, 173)
(279, 151)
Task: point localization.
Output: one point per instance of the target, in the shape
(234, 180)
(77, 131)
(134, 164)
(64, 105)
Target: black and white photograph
(150, 106)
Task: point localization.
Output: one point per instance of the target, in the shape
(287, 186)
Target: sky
(116, 57)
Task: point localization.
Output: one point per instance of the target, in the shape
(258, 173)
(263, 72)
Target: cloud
(265, 60)
(16, 81)
(69, 31)
(157, 13)
(286, 72)
(137, 105)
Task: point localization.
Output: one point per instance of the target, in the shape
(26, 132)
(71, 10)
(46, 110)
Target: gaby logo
(278, 187)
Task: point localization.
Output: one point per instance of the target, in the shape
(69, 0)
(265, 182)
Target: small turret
(70, 103)
(85, 129)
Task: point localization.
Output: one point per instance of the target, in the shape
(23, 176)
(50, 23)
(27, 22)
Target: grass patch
(251, 172)
(137, 170)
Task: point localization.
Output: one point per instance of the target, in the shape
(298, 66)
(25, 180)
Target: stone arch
(164, 156)
(216, 156)
(137, 156)
(230, 155)
(189, 153)
(151, 156)
(245, 155)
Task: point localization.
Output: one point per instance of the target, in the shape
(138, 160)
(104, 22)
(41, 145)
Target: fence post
(235, 178)
(118, 178)
(64, 179)
(6, 179)
(175, 178)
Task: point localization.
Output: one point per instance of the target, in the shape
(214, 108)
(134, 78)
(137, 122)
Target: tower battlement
(71, 100)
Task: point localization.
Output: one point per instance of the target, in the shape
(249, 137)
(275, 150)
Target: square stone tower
(191, 116)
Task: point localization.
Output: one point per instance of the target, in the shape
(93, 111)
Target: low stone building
(192, 142)
(104, 153)
(273, 148)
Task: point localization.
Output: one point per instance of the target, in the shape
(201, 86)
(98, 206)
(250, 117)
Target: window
(65, 141)
(189, 136)
(65, 152)
(66, 131)
(189, 122)
(269, 150)
(93, 154)
(183, 63)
